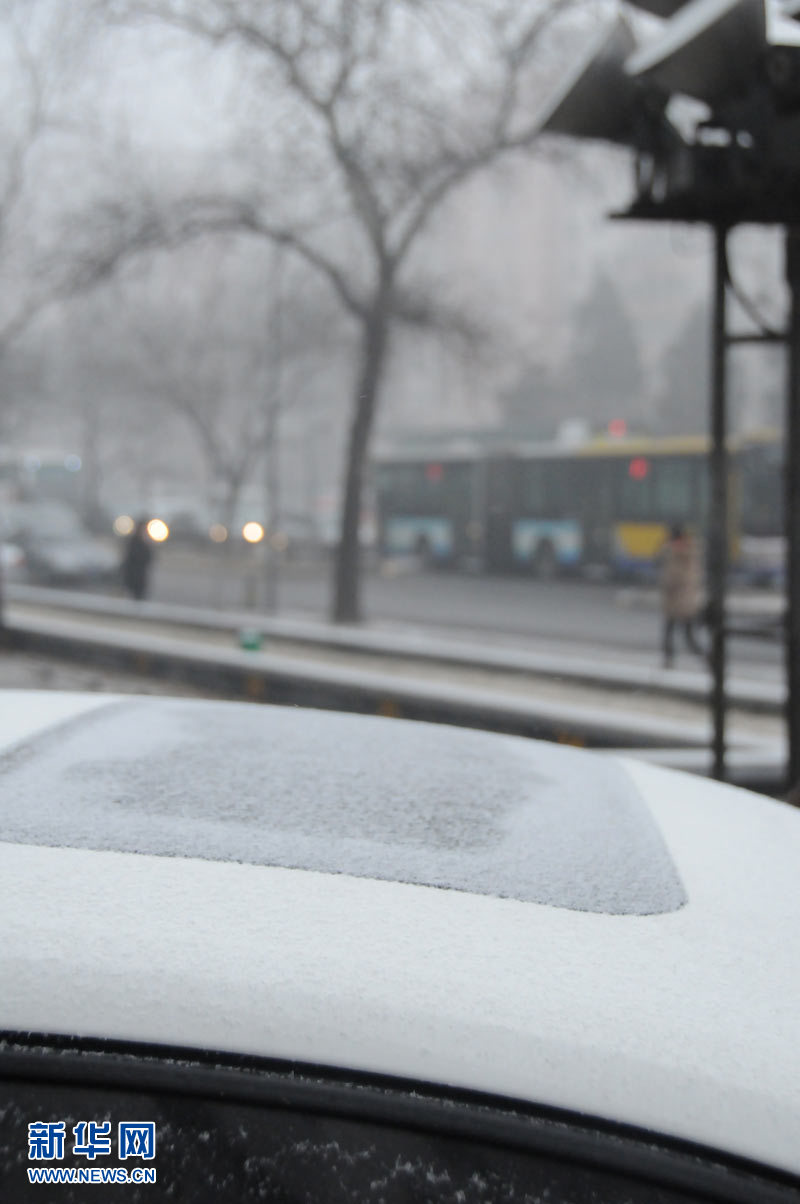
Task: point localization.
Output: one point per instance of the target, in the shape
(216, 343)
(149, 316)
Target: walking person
(681, 591)
(136, 561)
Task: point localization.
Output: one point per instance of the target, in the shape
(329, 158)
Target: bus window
(428, 508)
(593, 495)
(406, 488)
(533, 489)
(458, 480)
(674, 490)
(761, 484)
(635, 489)
(542, 488)
(557, 489)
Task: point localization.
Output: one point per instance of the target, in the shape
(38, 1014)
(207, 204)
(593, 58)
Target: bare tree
(205, 348)
(36, 42)
(25, 120)
(374, 112)
(93, 397)
(46, 131)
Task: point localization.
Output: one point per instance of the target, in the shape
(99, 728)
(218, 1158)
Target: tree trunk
(347, 578)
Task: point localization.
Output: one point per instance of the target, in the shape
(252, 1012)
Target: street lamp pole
(792, 508)
(718, 516)
(272, 465)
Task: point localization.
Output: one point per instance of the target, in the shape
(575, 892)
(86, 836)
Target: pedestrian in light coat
(681, 591)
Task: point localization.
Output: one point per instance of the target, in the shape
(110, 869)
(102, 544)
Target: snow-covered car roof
(473, 910)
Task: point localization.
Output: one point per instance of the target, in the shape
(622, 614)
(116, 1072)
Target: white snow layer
(371, 797)
(684, 1022)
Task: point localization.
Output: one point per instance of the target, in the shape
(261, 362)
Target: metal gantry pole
(792, 510)
(272, 455)
(718, 518)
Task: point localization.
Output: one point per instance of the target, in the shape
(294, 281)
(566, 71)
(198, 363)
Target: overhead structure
(668, 8)
(709, 50)
(740, 59)
(659, 8)
(599, 100)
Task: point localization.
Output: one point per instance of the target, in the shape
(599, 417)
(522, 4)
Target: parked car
(58, 548)
(257, 953)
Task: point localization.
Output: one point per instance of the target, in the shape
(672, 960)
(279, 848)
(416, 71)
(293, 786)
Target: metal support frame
(718, 517)
(718, 527)
(718, 535)
(272, 456)
(792, 509)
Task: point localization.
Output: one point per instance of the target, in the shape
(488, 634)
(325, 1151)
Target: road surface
(601, 617)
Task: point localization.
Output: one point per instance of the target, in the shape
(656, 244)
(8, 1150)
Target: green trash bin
(250, 639)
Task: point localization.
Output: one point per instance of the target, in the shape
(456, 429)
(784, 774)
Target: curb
(688, 685)
(268, 677)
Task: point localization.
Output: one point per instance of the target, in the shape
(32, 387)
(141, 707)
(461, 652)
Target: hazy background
(164, 369)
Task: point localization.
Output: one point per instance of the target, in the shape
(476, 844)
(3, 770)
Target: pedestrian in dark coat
(681, 590)
(136, 561)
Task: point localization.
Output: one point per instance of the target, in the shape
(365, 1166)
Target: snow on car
(376, 959)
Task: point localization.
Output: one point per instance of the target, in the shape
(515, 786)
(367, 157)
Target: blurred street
(571, 692)
(606, 620)
(408, 396)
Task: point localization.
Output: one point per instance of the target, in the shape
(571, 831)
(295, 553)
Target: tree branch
(204, 215)
(518, 56)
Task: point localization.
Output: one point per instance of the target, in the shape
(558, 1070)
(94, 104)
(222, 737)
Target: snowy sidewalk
(662, 715)
(588, 665)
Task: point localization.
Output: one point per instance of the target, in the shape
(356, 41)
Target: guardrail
(269, 677)
(580, 669)
(265, 676)
(766, 629)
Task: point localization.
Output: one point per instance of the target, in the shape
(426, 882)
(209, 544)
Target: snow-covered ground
(29, 671)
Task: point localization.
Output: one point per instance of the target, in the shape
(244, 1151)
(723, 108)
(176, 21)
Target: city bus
(603, 505)
(36, 476)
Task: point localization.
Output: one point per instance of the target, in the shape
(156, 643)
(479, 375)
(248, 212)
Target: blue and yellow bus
(603, 505)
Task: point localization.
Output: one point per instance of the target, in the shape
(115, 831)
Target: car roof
(374, 894)
(344, 794)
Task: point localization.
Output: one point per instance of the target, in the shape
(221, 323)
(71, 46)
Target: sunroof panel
(343, 794)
